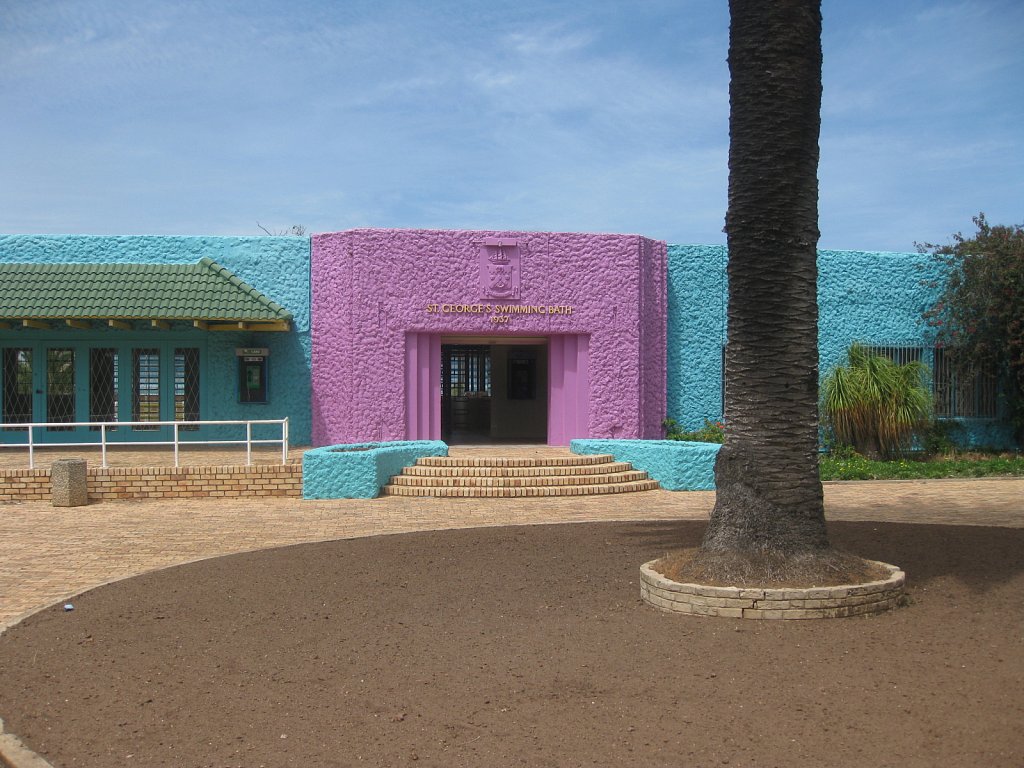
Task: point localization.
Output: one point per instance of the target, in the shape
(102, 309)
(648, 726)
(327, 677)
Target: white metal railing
(103, 426)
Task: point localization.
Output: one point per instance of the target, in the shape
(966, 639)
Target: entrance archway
(539, 388)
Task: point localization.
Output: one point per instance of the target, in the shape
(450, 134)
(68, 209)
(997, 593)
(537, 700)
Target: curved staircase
(498, 477)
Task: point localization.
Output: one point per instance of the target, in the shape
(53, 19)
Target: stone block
(753, 594)
(773, 605)
(68, 485)
(730, 613)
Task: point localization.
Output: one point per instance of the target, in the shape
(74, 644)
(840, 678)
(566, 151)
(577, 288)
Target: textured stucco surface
(697, 302)
(359, 471)
(677, 465)
(372, 287)
(876, 298)
(276, 266)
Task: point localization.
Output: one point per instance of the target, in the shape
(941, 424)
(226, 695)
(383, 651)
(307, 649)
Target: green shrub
(711, 432)
(850, 465)
(876, 405)
(940, 439)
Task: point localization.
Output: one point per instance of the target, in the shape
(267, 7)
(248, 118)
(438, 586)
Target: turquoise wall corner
(677, 465)
(360, 470)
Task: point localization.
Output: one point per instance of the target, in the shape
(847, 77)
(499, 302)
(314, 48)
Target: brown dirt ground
(521, 647)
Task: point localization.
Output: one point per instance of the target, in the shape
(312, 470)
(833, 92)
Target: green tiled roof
(201, 291)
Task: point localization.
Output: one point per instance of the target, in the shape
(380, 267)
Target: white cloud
(548, 43)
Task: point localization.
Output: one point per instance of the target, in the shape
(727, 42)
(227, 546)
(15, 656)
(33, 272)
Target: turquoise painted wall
(697, 302)
(872, 297)
(276, 266)
(876, 298)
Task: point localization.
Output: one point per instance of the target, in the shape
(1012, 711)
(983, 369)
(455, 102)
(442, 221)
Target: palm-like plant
(769, 496)
(875, 404)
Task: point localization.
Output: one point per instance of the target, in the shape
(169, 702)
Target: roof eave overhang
(128, 323)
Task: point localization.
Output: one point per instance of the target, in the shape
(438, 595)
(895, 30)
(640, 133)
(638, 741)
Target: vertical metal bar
(175, 445)
(103, 445)
(248, 443)
(284, 441)
(31, 449)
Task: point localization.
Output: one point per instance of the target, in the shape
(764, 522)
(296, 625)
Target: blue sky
(206, 117)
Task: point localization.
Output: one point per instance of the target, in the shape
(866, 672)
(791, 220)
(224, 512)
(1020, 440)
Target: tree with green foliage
(875, 404)
(980, 311)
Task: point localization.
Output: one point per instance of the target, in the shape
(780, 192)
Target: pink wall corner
(653, 347)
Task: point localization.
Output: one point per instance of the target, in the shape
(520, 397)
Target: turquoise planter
(675, 464)
(360, 470)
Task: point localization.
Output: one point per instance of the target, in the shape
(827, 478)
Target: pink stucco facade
(383, 302)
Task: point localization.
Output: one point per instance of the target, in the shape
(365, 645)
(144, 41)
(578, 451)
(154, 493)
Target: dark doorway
(494, 393)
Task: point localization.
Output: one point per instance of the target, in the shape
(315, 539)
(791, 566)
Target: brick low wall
(782, 603)
(25, 485)
(161, 482)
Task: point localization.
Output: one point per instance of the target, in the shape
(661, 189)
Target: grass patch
(857, 467)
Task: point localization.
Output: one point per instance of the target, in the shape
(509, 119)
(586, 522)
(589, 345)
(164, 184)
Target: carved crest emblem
(501, 279)
(499, 268)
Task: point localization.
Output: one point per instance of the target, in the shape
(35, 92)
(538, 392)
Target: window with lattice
(145, 386)
(966, 394)
(469, 371)
(186, 386)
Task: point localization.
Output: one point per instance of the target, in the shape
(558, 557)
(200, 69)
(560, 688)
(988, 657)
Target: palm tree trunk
(769, 491)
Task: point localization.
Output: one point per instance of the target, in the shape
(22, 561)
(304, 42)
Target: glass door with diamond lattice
(17, 385)
(103, 384)
(60, 387)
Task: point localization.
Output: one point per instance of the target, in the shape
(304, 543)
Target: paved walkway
(50, 553)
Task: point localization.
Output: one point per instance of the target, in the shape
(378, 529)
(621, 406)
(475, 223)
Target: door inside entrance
(494, 393)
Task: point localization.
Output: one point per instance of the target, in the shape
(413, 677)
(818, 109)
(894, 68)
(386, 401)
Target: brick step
(522, 492)
(473, 481)
(500, 477)
(535, 471)
(497, 461)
